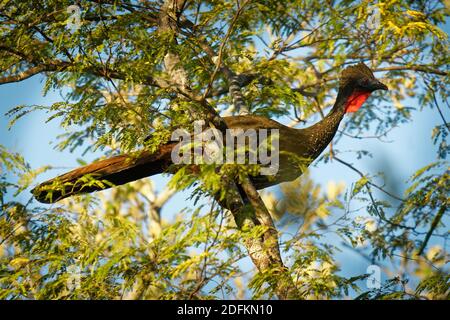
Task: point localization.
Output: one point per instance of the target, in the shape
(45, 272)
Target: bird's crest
(355, 72)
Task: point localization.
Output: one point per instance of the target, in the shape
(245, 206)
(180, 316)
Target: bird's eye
(363, 82)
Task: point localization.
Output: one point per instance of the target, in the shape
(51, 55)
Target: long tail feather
(104, 174)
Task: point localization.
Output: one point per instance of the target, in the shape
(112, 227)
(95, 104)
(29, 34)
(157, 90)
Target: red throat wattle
(356, 100)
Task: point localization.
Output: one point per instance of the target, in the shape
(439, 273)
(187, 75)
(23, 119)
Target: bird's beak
(377, 85)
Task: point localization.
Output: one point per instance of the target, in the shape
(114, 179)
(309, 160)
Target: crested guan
(356, 84)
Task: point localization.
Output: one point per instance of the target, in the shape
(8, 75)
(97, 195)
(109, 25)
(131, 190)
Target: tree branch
(26, 74)
(264, 251)
(433, 226)
(369, 182)
(441, 114)
(418, 68)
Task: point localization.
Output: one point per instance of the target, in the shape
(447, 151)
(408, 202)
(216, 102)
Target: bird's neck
(321, 134)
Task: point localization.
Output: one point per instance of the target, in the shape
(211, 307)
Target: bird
(356, 83)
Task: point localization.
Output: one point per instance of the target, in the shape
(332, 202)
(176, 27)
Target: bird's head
(358, 82)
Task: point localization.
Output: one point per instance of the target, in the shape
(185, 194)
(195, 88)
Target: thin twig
(369, 182)
(433, 94)
(433, 226)
(221, 48)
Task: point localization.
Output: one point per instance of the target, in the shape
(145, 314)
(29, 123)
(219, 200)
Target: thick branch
(264, 251)
(26, 74)
(60, 65)
(414, 68)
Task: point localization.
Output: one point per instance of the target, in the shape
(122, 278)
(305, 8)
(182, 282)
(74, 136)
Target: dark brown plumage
(356, 84)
